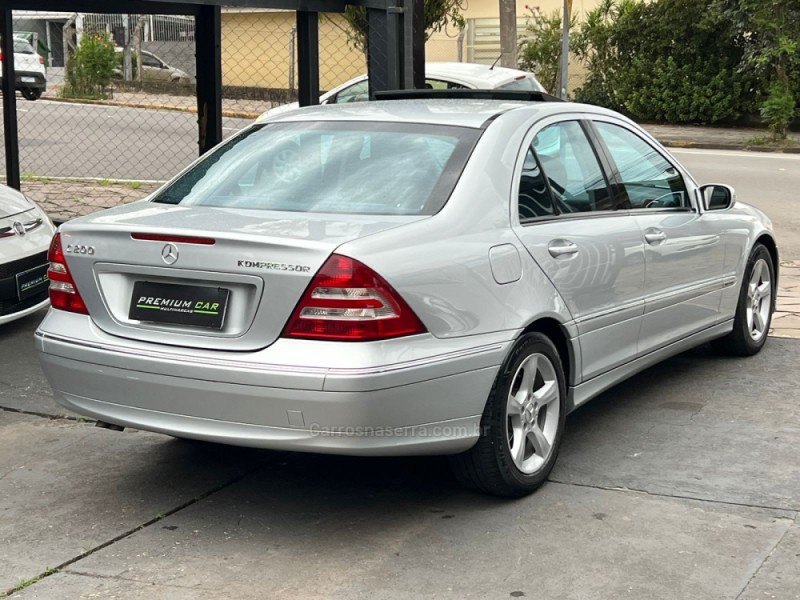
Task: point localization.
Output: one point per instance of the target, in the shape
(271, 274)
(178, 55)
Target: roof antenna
(497, 61)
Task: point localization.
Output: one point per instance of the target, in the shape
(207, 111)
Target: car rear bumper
(30, 80)
(423, 406)
(24, 312)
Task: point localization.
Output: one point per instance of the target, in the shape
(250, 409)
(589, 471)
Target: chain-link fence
(97, 139)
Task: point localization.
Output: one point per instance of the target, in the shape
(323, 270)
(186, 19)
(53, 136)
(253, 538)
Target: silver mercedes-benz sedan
(440, 276)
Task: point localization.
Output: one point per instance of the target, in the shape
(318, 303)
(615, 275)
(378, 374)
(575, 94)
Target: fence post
(307, 58)
(291, 58)
(208, 56)
(11, 133)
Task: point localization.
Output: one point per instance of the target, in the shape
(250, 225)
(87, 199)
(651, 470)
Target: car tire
(31, 94)
(754, 309)
(522, 423)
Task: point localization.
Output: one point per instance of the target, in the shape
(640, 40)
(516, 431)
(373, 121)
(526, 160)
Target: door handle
(558, 248)
(654, 236)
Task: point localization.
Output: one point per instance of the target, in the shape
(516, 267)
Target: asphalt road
(58, 139)
(768, 181)
(680, 483)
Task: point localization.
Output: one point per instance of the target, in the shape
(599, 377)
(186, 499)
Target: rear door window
(574, 175)
(330, 167)
(358, 92)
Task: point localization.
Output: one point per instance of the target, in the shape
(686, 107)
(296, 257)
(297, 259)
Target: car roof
(454, 112)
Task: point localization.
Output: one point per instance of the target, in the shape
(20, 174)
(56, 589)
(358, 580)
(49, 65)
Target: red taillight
(347, 301)
(177, 239)
(41, 60)
(63, 292)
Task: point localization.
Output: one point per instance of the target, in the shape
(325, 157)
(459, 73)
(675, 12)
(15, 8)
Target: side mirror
(717, 196)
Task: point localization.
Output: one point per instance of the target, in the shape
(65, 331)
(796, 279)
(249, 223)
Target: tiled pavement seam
(786, 320)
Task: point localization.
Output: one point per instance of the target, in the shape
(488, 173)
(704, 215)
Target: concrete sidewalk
(721, 138)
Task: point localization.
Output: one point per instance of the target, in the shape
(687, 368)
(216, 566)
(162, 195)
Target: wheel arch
(557, 333)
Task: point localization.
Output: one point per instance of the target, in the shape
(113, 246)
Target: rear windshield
(23, 47)
(525, 83)
(330, 167)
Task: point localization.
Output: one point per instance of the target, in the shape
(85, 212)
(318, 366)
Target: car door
(153, 69)
(684, 252)
(567, 219)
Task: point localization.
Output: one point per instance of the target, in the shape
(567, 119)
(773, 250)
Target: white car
(25, 235)
(29, 69)
(438, 75)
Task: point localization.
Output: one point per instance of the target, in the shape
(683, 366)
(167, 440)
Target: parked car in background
(30, 70)
(155, 69)
(438, 75)
(25, 235)
(434, 276)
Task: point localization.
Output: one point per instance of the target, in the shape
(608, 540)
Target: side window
(150, 61)
(572, 170)
(439, 84)
(648, 179)
(358, 92)
(534, 198)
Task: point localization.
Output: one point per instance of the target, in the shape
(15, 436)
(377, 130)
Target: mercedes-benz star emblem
(19, 228)
(169, 254)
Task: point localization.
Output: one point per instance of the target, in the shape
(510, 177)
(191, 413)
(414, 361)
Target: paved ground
(86, 140)
(681, 483)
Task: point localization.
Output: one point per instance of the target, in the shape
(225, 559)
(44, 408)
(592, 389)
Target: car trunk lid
(254, 264)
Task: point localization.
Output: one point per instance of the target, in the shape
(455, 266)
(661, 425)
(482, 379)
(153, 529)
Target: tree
(540, 46)
(769, 32)
(439, 14)
(666, 60)
(90, 67)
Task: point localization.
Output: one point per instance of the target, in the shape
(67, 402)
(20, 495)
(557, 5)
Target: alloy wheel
(759, 300)
(532, 412)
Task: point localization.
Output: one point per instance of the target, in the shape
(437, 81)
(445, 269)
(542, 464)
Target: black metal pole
(208, 54)
(377, 50)
(307, 58)
(418, 44)
(11, 134)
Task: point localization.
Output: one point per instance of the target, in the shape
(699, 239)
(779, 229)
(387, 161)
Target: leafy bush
(540, 46)
(778, 110)
(666, 60)
(439, 14)
(90, 67)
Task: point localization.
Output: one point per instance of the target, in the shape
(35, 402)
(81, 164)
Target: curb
(234, 114)
(715, 146)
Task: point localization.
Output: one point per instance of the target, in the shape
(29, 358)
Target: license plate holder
(28, 79)
(175, 304)
(32, 281)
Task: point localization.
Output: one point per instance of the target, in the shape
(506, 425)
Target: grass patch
(29, 582)
(758, 140)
